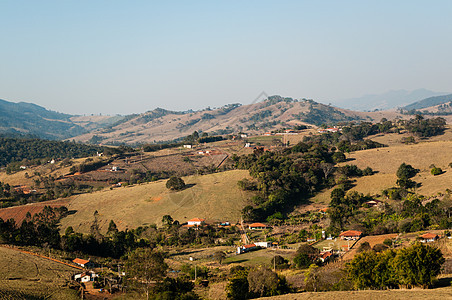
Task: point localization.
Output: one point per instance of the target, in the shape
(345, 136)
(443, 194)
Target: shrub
(175, 183)
(436, 171)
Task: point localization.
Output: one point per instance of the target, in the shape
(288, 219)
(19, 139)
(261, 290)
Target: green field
(214, 197)
(26, 276)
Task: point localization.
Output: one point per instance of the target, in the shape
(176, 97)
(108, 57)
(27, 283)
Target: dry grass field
(414, 294)
(215, 197)
(26, 276)
(385, 161)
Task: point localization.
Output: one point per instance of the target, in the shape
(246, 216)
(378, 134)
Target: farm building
(325, 256)
(350, 235)
(264, 244)
(196, 222)
(85, 276)
(83, 263)
(246, 248)
(428, 237)
(257, 226)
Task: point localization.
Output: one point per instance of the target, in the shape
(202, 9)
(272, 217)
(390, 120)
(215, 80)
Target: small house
(263, 244)
(246, 248)
(85, 276)
(196, 222)
(83, 263)
(188, 146)
(350, 235)
(257, 226)
(428, 237)
(325, 256)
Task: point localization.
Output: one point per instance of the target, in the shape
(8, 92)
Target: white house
(196, 222)
(263, 244)
(246, 248)
(85, 276)
(188, 146)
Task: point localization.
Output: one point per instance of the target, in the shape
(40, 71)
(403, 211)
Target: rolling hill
(18, 119)
(385, 101)
(428, 102)
(275, 112)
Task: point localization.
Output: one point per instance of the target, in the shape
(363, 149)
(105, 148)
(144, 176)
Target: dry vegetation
(25, 276)
(215, 197)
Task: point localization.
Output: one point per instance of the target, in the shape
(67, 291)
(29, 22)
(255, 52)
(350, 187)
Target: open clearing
(215, 197)
(26, 276)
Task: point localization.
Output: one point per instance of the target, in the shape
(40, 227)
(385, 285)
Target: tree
(311, 278)
(264, 282)
(364, 247)
(175, 183)
(145, 267)
(279, 262)
(436, 171)
(238, 287)
(167, 220)
(418, 265)
(305, 256)
(404, 173)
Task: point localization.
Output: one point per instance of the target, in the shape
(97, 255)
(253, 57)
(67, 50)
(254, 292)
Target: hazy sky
(132, 56)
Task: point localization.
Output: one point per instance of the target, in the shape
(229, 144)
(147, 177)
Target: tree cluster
(417, 265)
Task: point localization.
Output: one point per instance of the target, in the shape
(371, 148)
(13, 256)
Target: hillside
(28, 118)
(428, 102)
(25, 276)
(146, 204)
(385, 101)
(275, 112)
(385, 161)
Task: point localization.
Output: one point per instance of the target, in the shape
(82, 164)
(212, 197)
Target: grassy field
(439, 293)
(214, 197)
(26, 276)
(259, 257)
(385, 161)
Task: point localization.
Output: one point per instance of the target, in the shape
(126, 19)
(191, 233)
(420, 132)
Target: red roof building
(83, 262)
(428, 237)
(350, 235)
(255, 226)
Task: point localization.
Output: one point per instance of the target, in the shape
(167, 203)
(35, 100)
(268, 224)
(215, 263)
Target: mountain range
(388, 100)
(161, 125)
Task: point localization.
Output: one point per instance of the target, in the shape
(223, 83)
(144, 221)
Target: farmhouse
(350, 235)
(428, 237)
(85, 276)
(196, 222)
(83, 263)
(325, 256)
(246, 248)
(257, 226)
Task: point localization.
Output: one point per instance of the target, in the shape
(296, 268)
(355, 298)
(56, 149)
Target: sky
(122, 57)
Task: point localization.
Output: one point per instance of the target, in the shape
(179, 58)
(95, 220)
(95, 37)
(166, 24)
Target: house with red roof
(428, 237)
(257, 226)
(196, 222)
(246, 248)
(350, 235)
(83, 263)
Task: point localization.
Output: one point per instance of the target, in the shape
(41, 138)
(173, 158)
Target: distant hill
(27, 118)
(18, 119)
(389, 100)
(163, 125)
(428, 102)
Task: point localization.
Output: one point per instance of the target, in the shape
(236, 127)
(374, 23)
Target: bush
(175, 183)
(436, 171)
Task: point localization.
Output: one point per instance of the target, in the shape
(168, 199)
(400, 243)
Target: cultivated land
(215, 197)
(25, 276)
